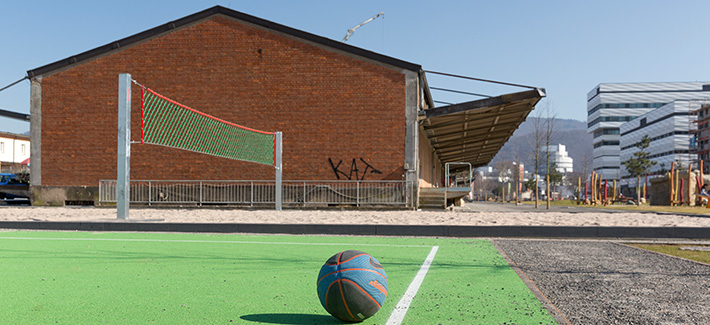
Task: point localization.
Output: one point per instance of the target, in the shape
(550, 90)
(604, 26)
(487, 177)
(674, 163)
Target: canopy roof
(475, 131)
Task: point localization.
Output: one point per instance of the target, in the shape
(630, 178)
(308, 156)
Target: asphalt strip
(373, 230)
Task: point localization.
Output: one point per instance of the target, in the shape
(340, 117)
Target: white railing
(251, 193)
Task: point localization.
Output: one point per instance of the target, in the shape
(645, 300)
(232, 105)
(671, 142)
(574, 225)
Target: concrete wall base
(64, 195)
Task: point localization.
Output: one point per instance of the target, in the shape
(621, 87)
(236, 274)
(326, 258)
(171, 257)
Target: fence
(261, 193)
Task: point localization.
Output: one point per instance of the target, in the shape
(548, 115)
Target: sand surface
(461, 217)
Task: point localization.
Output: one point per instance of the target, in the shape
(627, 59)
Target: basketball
(352, 286)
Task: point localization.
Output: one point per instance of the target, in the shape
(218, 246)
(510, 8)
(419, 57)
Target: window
(706, 87)
(22, 149)
(610, 119)
(601, 132)
(606, 143)
(624, 105)
(2, 147)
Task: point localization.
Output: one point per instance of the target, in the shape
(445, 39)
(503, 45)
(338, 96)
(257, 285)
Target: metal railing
(254, 193)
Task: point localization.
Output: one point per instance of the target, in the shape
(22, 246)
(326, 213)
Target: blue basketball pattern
(356, 282)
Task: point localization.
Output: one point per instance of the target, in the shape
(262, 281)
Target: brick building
(345, 112)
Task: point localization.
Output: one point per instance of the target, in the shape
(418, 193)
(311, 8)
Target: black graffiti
(353, 170)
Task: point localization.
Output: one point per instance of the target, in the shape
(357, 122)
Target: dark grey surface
(371, 230)
(602, 282)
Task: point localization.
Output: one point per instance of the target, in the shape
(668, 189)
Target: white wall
(13, 150)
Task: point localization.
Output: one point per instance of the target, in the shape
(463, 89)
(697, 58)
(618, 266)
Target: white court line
(403, 306)
(211, 241)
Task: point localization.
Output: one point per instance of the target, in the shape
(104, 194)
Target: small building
(347, 114)
(559, 157)
(14, 151)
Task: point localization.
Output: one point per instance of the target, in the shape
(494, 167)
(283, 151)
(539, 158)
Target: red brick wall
(327, 105)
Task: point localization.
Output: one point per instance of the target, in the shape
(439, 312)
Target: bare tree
(503, 167)
(586, 164)
(536, 142)
(549, 133)
(484, 185)
(517, 177)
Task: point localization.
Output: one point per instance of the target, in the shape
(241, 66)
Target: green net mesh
(168, 123)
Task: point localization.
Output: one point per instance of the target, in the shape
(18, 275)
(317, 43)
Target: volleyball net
(165, 122)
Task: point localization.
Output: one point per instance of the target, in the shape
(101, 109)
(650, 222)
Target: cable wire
(459, 92)
(14, 83)
(478, 79)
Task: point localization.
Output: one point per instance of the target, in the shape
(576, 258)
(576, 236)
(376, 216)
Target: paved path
(511, 207)
(603, 282)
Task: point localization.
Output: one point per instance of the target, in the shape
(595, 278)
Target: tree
(504, 168)
(530, 184)
(483, 185)
(555, 176)
(639, 164)
(549, 133)
(537, 140)
(544, 130)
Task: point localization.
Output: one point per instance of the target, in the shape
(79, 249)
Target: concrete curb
(371, 230)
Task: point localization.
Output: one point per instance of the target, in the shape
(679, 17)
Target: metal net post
(124, 146)
(278, 150)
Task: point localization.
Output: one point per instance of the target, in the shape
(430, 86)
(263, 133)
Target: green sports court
(97, 277)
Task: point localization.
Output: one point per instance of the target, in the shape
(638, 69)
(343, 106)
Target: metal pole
(358, 193)
(124, 146)
(279, 169)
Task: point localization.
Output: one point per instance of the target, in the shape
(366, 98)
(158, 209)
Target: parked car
(9, 186)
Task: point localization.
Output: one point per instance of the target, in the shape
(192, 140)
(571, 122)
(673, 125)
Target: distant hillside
(571, 133)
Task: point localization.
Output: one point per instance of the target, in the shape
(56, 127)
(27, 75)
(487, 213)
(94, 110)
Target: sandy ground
(460, 217)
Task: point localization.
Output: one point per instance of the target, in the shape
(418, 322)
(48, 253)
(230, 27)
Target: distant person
(704, 194)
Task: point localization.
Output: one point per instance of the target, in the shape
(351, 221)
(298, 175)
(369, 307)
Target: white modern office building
(609, 105)
(670, 129)
(559, 156)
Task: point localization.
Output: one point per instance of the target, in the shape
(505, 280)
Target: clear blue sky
(565, 46)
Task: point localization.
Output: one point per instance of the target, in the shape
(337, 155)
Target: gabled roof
(8, 135)
(475, 131)
(219, 10)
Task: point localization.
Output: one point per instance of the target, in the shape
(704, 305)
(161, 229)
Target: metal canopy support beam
(15, 115)
(466, 141)
(123, 187)
(459, 132)
(511, 113)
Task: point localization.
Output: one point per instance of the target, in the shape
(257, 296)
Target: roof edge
(537, 93)
(127, 41)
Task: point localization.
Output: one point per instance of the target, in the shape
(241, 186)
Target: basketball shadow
(295, 319)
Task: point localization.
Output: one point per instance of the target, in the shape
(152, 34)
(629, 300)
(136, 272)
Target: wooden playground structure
(683, 189)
